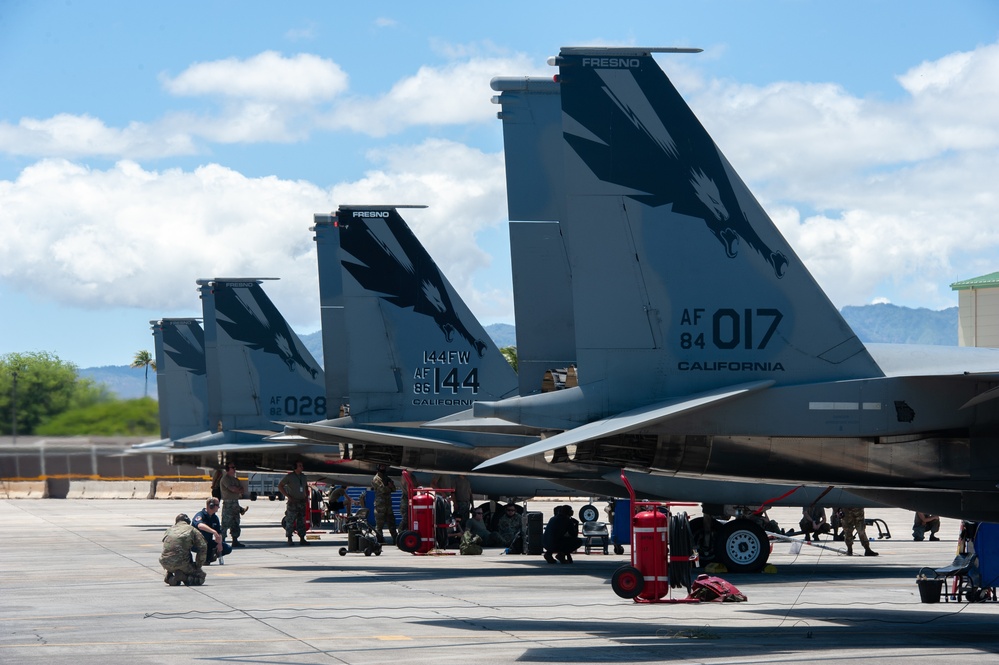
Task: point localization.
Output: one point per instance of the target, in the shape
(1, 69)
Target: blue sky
(144, 146)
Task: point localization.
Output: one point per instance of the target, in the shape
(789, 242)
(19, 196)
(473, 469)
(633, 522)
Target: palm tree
(510, 353)
(144, 359)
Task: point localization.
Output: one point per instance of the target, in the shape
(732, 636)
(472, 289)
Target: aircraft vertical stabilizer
(333, 315)
(535, 185)
(542, 300)
(259, 370)
(532, 147)
(179, 347)
(414, 350)
(681, 282)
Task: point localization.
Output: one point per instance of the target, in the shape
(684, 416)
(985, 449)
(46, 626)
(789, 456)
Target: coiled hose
(681, 547)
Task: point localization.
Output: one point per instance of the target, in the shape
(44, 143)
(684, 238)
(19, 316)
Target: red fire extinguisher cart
(424, 517)
(661, 553)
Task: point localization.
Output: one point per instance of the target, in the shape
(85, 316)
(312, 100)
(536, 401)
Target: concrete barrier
(23, 489)
(182, 489)
(109, 489)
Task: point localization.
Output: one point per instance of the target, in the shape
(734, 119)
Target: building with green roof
(978, 310)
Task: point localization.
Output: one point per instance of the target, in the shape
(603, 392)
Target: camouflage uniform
(383, 488)
(853, 518)
(509, 527)
(462, 498)
(232, 492)
(470, 543)
(178, 543)
(404, 506)
(295, 487)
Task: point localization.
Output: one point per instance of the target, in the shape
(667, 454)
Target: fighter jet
(248, 370)
(364, 324)
(706, 348)
(221, 387)
(413, 352)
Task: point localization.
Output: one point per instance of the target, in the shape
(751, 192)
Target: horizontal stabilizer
(465, 421)
(354, 435)
(645, 416)
(245, 447)
(201, 439)
(159, 443)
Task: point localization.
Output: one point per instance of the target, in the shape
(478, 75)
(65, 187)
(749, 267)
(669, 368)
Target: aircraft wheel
(409, 541)
(627, 582)
(705, 553)
(589, 513)
(343, 551)
(743, 546)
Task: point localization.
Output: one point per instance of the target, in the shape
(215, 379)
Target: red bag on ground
(710, 588)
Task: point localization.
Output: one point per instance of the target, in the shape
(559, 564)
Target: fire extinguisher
(420, 539)
(647, 578)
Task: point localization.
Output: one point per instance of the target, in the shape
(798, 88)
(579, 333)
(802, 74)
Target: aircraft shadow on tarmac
(651, 633)
(463, 568)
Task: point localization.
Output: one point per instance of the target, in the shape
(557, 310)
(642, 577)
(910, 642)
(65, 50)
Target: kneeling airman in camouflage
(179, 541)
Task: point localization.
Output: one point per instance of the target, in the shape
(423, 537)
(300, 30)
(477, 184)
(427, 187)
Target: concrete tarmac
(80, 583)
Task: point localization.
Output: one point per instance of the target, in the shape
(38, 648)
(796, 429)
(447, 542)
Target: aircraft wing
(355, 435)
(645, 416)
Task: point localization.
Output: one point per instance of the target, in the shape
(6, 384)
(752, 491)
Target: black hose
(681, 547)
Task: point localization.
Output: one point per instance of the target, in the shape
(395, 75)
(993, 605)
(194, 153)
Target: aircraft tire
(627, 582)
(705, 555)
(743, 546)
(589, 513)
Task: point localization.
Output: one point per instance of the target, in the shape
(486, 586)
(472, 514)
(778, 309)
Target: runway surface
(80, 583)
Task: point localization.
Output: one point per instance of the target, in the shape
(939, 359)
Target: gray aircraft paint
(414, 350)
(693, 315)
(247, 340)
(532, 135)
(542, 302)
(181, 383)
(334, 327)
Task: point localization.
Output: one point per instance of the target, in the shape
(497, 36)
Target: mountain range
(873, 323)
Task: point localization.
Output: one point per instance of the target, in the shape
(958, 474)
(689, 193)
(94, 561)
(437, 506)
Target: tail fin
(259, 370)
(535, 189)
(414, 351)
(179, 345)
(532, 147)
(333, 314)
(679, 276)
(542, 297)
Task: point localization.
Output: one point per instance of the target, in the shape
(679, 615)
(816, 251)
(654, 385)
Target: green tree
(36, 386)
(144, 359)
(510, 353)
(133, 417)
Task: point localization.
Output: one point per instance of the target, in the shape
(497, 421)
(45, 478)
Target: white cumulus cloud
(130, 237)
(456, 93)
(270, 76)
(874, 194)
